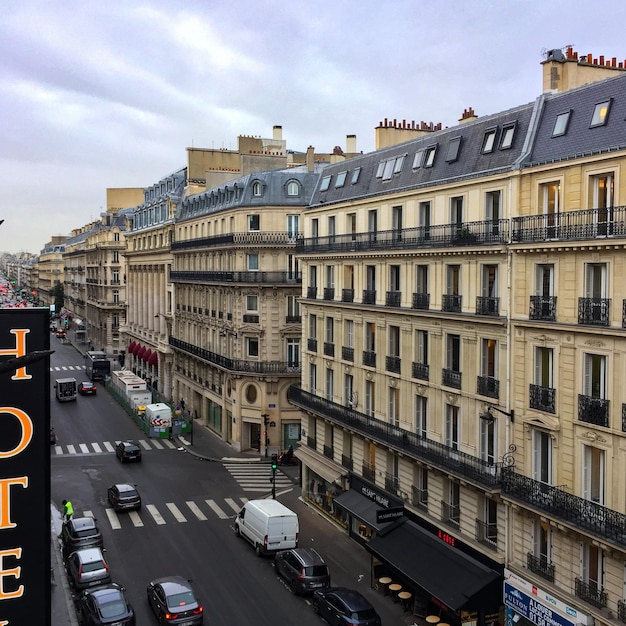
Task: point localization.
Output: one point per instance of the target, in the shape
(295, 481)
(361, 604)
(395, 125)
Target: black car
(124, 497)
(87, 389)
(128, 451)
(80, 532)
(174, 602)
(303, 569)
(105, 604)
(340, 606)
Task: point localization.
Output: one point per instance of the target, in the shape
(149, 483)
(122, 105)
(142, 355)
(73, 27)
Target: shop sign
(533, 610)
(389, 515)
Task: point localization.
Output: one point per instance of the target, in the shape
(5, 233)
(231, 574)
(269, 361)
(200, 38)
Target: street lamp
(266, 420)
(488, 415)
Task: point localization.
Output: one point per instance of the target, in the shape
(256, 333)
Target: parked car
(128, 451)
(87, 389)
(105, 604)
(87, 568)
(124, 497)
(303, 569)
(340, 606)
(80, 532)
(53, 436)
(174, 601)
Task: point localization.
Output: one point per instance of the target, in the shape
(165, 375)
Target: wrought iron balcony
(451, 513)
(487, 534)
(420, 370)
(368, 472)
(329, 293)
(451, 303)
(595, 519)
(265, 278)
(369, 296)
(311, 442)
(454, 462)
(347, 354)
(393, 298)
(593, 311)
(329, 348)
(311, 292)
(421, 301)
(488, 386)
(451, 378)
(238, 239)
(236, 365)
(624, 417)
(293, 319)
(487, 306)
(369, 358)
(621, 610)
(392, 483)
(329, 451)
(420, 497)
(392, 364)
(542, 398)
(540, 566)
(311, 344)
(347, 295)
(623, 313)
(347, 461)
(593, 410)
(590, 593)
(542, 308)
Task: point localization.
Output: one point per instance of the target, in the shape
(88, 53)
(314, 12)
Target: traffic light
(274, 461)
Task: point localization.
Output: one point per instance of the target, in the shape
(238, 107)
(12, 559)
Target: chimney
(278, 133)
(350, 144)
(310, 159)
(468, 116)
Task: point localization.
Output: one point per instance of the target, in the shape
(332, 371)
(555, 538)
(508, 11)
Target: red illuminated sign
(445, 537)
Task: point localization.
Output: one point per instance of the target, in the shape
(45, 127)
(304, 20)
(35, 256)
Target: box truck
(158, 415)
(65, 389)
(268, 525)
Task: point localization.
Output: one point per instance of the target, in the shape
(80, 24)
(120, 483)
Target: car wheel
(237, 531)
(315, 603)
(257, 549)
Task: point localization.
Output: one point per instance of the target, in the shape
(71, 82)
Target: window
(393, 413)
(542, 456)
(372, 224)
(380, 169)
(454, 502)
(330, 384)
(116, 257)
(313, 327)
(424, 219)
(493, 201)
(489, 357)
(595, 376)
(116, 296)
(542, 542)
(332, 228)
(592, 567)
(313, 379)
(489, 140)
(348, 391)
(257, 189)
(116, 237)
(452, 426)
(370, 398)
(252, 304)
(488, 440)
(254, 222)
(453, 280)
(330, 330)
(453, 353)
(348, 337)
(388, 169)
(351, 221)
(115, 277)
(397, 168)
(454, 146)
(600, 114)
(393, 335)
(561, 123)
(370, 336)
(252, 347)
(421, 347)
(549, 200)
(293, 188)
(325, 184)
(508, 134)
(293, 352)
(422, 486)
(429, 156)
(593, 474)
(253, 262)
(421, 416)
(330, 276)
(543, 367)
(418, 159)
(456, 211)
(355, 176)
(340, 181)
(396, 222)
(293, 307)
(293, 226)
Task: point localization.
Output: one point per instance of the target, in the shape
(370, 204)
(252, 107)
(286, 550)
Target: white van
(268, 525)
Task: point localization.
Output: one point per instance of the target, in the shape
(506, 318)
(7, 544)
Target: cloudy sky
(110, 94)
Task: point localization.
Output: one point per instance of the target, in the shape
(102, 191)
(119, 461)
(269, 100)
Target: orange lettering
(5, 499)
(19, 350)
(27, 431)
(15, 572)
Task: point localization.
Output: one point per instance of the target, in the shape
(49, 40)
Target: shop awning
(131, 347)
(363, 508)
(322, 466)
(444, 572)
(141, 350)
(147, 354)
(153, 360)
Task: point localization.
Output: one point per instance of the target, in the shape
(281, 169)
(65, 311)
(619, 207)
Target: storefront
(528, 604)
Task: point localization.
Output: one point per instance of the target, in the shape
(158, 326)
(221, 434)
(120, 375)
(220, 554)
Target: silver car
(87, 568)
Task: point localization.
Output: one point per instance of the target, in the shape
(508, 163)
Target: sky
(108, 94)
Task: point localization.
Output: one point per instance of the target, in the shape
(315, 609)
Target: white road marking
(71, 449)
(84, 448)
(157, 445)
(145, 445)
(169, 444)
(114, 520)
(196, 511)
(58, 449)
(87, 513)
(108, 446)
(176, 512)
(96, 447)
(136, 520)
(155, 514)
(216, 509)
(233, 505)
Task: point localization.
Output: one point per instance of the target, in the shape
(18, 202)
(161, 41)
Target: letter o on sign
(26, 428)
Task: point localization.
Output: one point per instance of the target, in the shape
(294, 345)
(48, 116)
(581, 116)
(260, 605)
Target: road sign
(389, 515)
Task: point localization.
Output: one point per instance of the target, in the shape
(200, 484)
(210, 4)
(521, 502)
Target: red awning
(147, 354)
(140, 352)
(153, 360)
(131, 347)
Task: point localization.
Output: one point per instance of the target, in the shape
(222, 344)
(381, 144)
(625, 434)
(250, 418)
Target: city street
(185, 526)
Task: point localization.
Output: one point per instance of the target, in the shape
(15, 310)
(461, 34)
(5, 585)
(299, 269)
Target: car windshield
(180, 599)
(94, 566)
(316, 570)
(112, 609)
(131, 448)
(128, 493)
(86, 532)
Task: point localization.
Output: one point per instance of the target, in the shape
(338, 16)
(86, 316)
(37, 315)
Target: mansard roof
(260, 189)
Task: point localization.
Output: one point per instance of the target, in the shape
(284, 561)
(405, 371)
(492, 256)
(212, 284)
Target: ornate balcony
(593, 410)
(238, 239)
(621, 610)
(595, 519)
(542, 308)
(329, 348)
(421, 301)
(329, 293)
(393, 298)
(392, 483)
(347, 461)
(451, 303)
(311, 292)
(539, 565)
(420, 371)
(451, 513)
(249, 318)
(369, 296)
(347, 354)
(451, 378)
(265, 278)
(542, 398)
(454, 462)
(347, 295)
(369, 358)
(368, 472)
(329, 452)
(487, 534)
(392, 364)
(488, 386)
(487, 306)
(420, 497)
(311, 344)
(593, 311)
(590, 593)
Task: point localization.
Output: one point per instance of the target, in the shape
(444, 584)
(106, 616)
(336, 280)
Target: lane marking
(169, 444)
(71, 449)
(155, 514)
(108, 446)
(114, 520)
(176, 512)
(84, 448)
(196, 510)
(216, 509)
(136, 520)
(96, 447)
(157, 445)
(233, 505)
(144, 444)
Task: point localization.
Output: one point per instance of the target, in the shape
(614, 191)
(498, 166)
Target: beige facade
(50, 268)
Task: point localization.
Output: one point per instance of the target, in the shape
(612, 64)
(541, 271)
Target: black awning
(363, 508)
(447, 574)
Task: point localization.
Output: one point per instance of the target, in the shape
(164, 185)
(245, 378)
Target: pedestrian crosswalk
(169, 513)
(256, 476)
(107, 447)
(68, 368)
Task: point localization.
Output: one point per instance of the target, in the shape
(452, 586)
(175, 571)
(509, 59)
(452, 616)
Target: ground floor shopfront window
(321, 494)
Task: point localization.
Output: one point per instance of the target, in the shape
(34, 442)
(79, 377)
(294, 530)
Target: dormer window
(489, 140)
(453, 149)
(508, 133)
(429, 156)
(355, 176)
(257, 189)
(600, 114)
(560, 125)
(418, 159)
(341, 179)
(293, 188)
(325, 184)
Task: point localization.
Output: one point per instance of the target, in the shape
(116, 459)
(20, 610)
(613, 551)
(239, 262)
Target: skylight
(600, 113)
(560, 125)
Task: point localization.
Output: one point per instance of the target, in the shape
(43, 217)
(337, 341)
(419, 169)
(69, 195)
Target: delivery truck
(158, 418)
(65, 389)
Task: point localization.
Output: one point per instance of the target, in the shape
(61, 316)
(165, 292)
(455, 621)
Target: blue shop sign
(533, 610)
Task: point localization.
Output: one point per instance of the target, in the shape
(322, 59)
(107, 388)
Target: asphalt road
(185, 526)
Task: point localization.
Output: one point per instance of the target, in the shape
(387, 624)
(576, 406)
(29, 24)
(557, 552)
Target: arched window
(257, 188)
(293, 188)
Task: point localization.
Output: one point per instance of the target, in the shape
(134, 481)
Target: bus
(97, 365)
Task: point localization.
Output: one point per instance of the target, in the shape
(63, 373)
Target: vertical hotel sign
(24, 470)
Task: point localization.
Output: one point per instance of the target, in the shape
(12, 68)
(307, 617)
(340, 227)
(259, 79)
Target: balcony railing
(236, 365)
(347, 461)
(555, 503)
(451, 378)
(250, 318)
(419, 370)
(487, 306)
(329, 293)
(311, 344)
(590, 593)
(293, 319)
(593, 311)
(455, 462)
(238, 239)
(392, 483)
(420, 497)
(368, 472)
(593, 410)
(542, 308)
(624, 417)
(369, 358)
(488, 386)
(392, 364)
(329, 348)
(369, 296)
(421, 301)
(621, 610)
(347, 354)
(451, 303)
(265, 278)
(347, 295)
(540, 566)
(311, 292)
(542, 398)
(623, 313)
(487, 534)
(451, 513)
(393, 298)
(329, 452)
